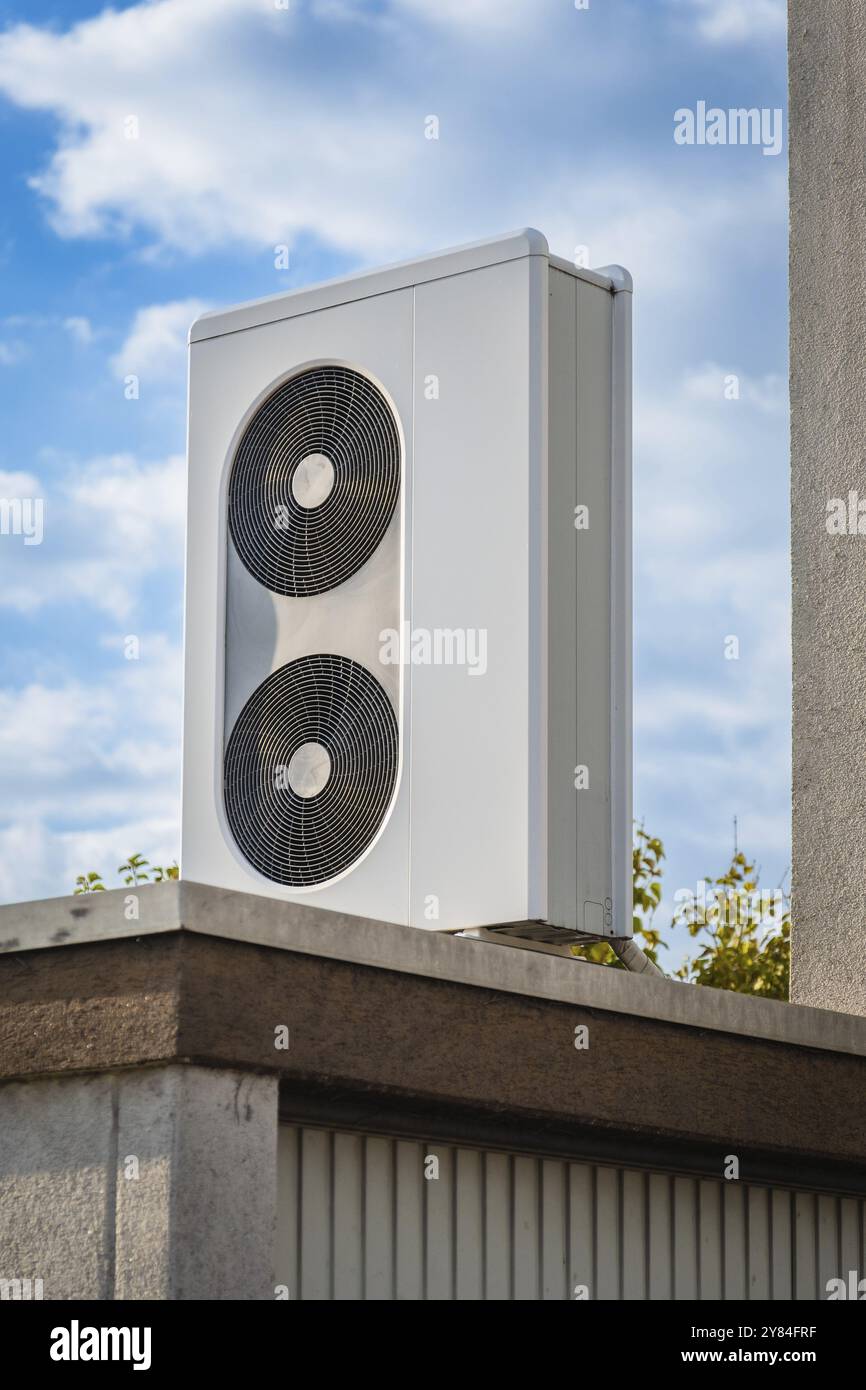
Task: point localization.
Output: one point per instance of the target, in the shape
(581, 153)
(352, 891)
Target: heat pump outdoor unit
(408, 610)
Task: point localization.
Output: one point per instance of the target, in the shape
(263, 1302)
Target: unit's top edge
(380, 280)
(603, 278)
(475, 256)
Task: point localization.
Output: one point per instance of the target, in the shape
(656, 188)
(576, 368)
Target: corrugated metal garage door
(357, 1219)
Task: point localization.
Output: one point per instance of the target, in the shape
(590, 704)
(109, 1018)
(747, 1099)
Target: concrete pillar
(827, 136)
(151, 1184)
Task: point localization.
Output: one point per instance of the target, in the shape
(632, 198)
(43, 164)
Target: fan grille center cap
(309, 770)
(313, 481)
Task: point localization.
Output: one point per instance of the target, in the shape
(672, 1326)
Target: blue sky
(259, 126)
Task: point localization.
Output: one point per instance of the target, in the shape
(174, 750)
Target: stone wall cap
(183, 906)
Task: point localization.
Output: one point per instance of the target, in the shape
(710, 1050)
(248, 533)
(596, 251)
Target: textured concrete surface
(426, 1041)
(195, 909)
(198, 1223)
(154, 1184)
(827, 70)
(57, 1171)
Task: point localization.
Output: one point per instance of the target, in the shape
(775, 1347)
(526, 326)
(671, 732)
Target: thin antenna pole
(735, 838)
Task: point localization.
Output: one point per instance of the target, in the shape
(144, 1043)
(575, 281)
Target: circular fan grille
(326, 413)
(301, 840)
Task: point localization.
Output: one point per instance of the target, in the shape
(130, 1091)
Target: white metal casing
(509, 374)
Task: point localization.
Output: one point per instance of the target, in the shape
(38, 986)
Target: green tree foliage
(89, 883)
(744, 934)
(647, 856)
(134, 870)
(160, 874)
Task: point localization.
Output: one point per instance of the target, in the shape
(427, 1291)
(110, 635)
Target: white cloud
(11, 353)
(108, 524)
(155, 348)
(739, 21)
(711, 503)
(665, 240)
(218, 155)
(709, 383)
(101, 759)
(264, 139)
(484, 15)
(712, 735)
(79, 328)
